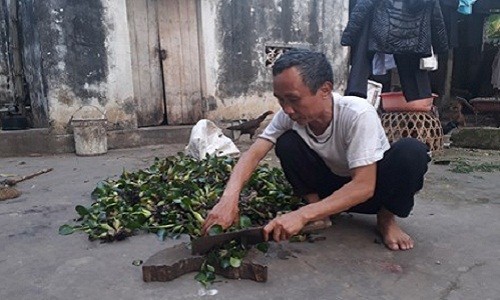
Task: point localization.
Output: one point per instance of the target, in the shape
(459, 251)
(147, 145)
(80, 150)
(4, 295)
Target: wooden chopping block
(171, 263)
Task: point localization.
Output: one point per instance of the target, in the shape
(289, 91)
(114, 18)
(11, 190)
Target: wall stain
(129, 107)
(5, 74)
(211, 103)
(65, 98)
(64, 44)
(85, 34)
(239, 38)
(34, 22)
(313, 37)
(286, 21)
(246, 28)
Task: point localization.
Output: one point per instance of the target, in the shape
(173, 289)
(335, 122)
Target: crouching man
(333, 151)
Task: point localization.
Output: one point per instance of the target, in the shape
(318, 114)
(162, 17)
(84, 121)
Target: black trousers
(400, 174)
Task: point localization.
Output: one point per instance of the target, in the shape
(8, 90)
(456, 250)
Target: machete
(248, 236)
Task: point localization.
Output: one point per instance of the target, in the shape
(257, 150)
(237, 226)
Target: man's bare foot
(394, 237)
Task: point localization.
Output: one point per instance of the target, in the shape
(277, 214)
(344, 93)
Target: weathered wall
(78, 53)
(235, 35)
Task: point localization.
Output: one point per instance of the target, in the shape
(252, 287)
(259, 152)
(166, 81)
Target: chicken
(449, 127)
(249, 127)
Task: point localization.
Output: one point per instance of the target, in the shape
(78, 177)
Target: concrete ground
(455, 225)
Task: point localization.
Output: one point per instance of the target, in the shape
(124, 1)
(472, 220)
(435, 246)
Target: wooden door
(178, 34)
(146, 65)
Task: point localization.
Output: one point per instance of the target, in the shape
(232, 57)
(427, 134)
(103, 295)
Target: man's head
(313, 67)
(303, 82)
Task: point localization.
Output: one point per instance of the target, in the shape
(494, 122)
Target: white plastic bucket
(89, 131)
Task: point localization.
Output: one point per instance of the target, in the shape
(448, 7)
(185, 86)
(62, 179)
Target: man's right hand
(224, 213)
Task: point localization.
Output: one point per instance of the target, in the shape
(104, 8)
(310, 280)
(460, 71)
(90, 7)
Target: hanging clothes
(361, 64)
(465, 6)
(407, 28)
(382, 63)
(415, 82)
(450, 18)
(398, 26)
(401, 27)
(359, 17)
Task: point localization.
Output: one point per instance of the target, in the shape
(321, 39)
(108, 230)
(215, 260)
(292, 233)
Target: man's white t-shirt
(354, 138)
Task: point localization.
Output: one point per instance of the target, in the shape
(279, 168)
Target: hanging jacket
(360, 14)
(399, 26)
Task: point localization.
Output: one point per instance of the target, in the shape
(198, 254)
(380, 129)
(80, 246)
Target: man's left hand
(285, 226)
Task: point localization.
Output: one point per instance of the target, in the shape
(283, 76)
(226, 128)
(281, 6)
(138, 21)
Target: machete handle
(314, 226)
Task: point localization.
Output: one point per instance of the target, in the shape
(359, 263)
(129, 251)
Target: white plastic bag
(207, 138)
(429, 63)
(373, 93)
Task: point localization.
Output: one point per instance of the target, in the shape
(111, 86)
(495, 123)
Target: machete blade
(249, 236)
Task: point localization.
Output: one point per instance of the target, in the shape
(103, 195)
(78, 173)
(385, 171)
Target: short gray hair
(313, 67)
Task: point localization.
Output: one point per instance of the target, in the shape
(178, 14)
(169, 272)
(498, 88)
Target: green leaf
(225, 263)
(235, 262)
(215, 230)
(82, 211)
(205, 277)
(245, 221)
(102, 216)
(162, 233)
(137, 262)
(140, 218)
(66, 229)
(210, 277)
(116, 224)
(210, 268)
(100, 190)
(186, 203)
(106, 228)
(201, 277)
(146, 213)
(223, 252)
(263, 247)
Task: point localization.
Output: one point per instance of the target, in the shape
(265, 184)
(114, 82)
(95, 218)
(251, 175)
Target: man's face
(295, 98)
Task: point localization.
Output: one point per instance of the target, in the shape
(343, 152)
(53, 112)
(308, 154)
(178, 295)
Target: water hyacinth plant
(173, 196)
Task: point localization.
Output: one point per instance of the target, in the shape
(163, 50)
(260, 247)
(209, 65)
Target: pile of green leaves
(173, 196)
